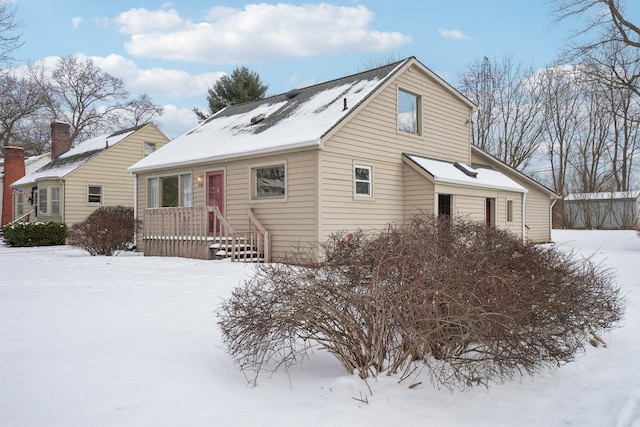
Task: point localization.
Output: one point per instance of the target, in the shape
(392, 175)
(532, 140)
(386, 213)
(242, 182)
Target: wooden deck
(203, 233)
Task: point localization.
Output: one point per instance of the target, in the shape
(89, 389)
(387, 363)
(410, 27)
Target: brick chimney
(13, 171)
(60, 138)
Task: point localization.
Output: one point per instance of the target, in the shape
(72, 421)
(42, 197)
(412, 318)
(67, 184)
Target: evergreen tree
(242, 86)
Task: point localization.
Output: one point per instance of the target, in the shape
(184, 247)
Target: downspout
(551, 217)
(135, 208)
(524, 218)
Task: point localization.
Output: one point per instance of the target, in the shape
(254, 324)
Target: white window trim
(158, 189)
(89, 203)
(356, 195)
(252, 182)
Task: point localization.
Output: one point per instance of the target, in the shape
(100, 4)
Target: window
(152, 192)
(55, 200)
(149, 147)
(444, 204)
(42, 201)
(363, 180)
(187, 192)
(94, 194)
(509, 210)
(408, 112)
(170, 191)
(20, 202)
(269, 182)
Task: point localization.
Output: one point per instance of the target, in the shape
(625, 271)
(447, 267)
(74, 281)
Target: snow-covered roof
(459, 173)
(611, 195)
(77, 156)
(296, 119)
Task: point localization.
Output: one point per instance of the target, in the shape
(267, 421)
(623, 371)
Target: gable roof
(500, 164)
(298, 119)
(77, 156)
(458, 173)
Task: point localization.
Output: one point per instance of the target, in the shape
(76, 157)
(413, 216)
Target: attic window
(257, 119)
(466, 169)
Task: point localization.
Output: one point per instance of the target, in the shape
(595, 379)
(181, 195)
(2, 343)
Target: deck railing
(202, 232)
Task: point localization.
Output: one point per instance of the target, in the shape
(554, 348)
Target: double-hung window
(43, 200)
(55, 200)
(409, 111)
(94, 195)
(170, 191)
(363, 180)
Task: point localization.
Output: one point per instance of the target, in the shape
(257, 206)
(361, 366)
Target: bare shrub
(472, 304)
(105, 231)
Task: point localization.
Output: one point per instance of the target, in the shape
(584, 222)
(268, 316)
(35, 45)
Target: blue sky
(174, 51)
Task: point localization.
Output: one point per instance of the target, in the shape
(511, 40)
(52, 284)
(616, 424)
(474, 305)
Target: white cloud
(452, 34)
(161, 84)
(157, 82)
(76, 21)
(177, 120)
(143, 21)
(259, 32)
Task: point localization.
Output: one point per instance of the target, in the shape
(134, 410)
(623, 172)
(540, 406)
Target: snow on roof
(296, 119)
(463, 174)
(603, 195)
(74, 158)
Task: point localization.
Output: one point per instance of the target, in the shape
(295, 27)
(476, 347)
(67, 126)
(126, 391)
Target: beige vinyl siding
(538, 217)
(418, 193)
(538, 203)
(109, 170)
(290, 221)
(371, 137)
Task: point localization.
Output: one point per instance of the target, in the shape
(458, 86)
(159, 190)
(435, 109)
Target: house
(615, 210)
(16, 166)
(84, 177)
(358, 152)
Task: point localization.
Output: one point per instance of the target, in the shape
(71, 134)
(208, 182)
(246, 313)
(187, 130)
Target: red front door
(215, 197)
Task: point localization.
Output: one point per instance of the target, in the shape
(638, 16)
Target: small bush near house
(471, 305)
(34, 234)
(107, 230)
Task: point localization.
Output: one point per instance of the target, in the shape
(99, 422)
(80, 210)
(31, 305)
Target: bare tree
(9, 40)
(508, 123)
(562, 100)
(19, 99)
(139, 111)
(611, 27)
(89, 99)
(81, 94)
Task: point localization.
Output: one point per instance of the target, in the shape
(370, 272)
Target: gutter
(232, 156)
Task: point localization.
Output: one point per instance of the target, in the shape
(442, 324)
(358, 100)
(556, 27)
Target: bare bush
(472, 304)
(105, 231)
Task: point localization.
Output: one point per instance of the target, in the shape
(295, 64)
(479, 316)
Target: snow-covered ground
(133, 341)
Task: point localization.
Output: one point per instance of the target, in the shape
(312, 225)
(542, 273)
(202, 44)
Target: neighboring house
(17, 166)
(358, 152)
(616, 210)
(82, 178)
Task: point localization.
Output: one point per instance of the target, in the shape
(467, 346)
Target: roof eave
(213, 159)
